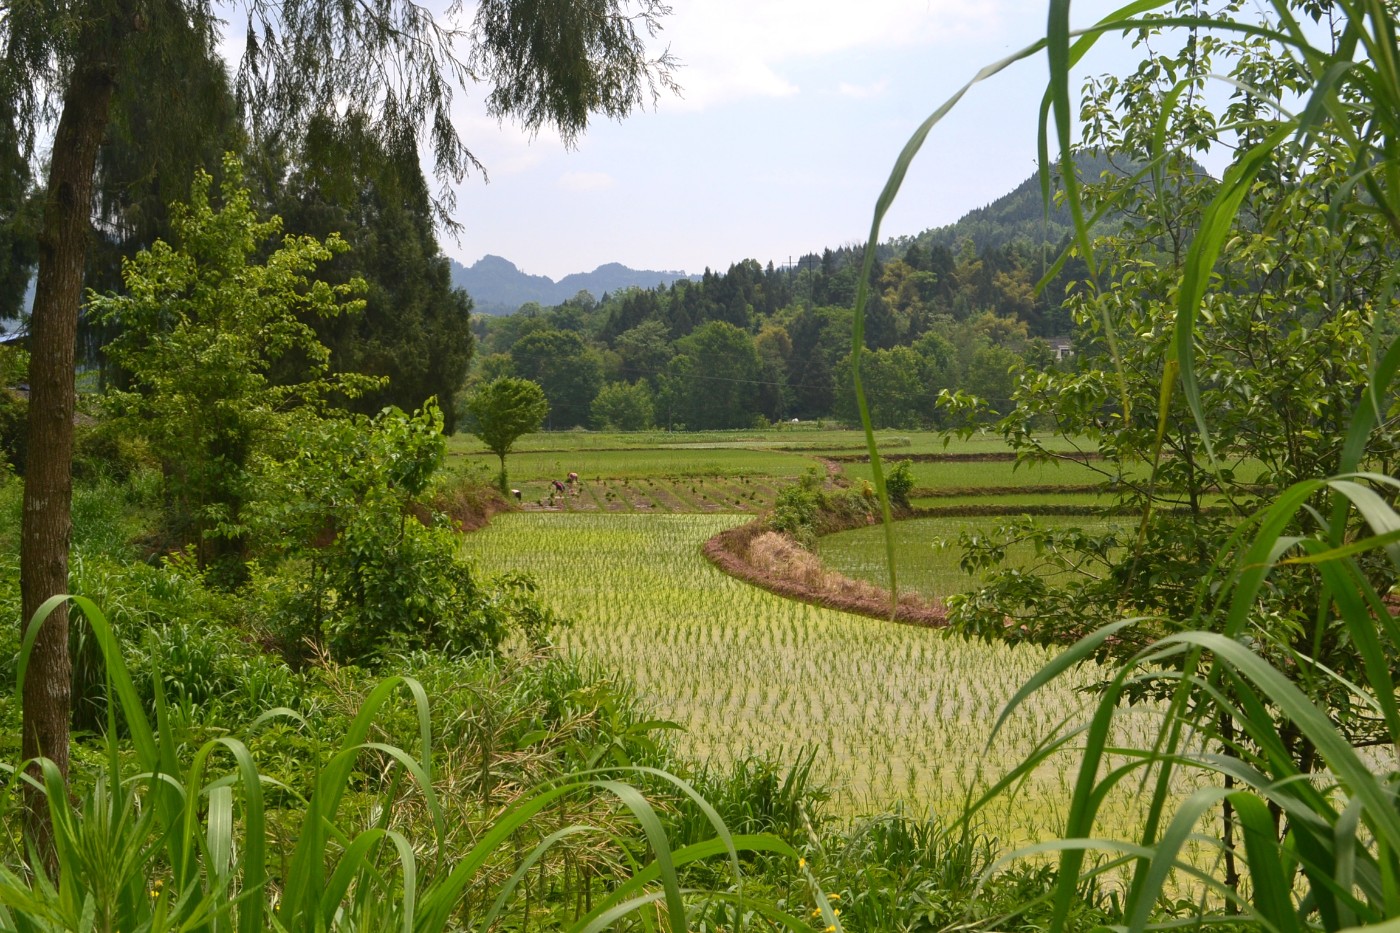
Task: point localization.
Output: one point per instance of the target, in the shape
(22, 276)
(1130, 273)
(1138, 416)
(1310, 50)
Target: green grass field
(959, 474)
(1006, 499)
(595, 464)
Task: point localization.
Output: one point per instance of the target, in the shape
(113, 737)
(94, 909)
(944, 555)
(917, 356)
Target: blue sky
(792, 115)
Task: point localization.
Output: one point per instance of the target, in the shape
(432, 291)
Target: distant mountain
(1018, 215)
(498, 287)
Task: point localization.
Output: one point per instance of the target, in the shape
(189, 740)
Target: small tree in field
(501, 411)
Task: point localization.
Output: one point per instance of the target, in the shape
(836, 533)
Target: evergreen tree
(415, 330)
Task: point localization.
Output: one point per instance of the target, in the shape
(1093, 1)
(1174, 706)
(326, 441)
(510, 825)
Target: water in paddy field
(897, 713)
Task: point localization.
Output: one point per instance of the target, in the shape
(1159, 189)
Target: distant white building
(1063, 348)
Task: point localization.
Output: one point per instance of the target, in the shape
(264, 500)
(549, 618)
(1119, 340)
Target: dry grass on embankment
(777, 563)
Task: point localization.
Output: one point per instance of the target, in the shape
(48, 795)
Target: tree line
(761, 344)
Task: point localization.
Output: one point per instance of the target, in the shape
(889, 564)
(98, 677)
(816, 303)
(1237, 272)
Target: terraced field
(928, 553)
(743, 471)
(896, 713)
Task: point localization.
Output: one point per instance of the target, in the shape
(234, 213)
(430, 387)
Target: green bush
(107, 450)
(899, 482)
(797, 507)
(358, 565)
(806, 511)
(14, 428)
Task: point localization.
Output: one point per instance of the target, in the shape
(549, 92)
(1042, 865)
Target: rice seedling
(929, 554)
(894, 712)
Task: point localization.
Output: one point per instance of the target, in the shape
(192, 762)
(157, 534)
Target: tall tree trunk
(48, 482)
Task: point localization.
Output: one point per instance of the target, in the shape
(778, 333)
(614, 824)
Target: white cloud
(737, 48)
(862, 91)
(586, 181)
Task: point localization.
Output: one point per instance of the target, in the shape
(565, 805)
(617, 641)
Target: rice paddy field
(927, 550)
(898, 715)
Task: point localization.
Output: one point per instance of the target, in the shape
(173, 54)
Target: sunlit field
(970, 473)
(805, 438)
(928, 553)
(896, 713)
(595, 464)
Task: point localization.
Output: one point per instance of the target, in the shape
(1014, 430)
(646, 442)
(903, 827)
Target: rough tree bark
(48, 483)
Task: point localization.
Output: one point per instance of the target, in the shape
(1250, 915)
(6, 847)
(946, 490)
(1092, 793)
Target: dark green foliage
(645, 350)
(569, 371)
(899, 482)
(19, 239)
(820, 340)
(202, 327)
(414, 331)
(895, 386)
(798, 506)
(756, 795)
(162, 131)
(559, 64)
(806, 510)
(370, 573)
(14, 408)
(105, 449)
(900, 873)
(623, 407)
(14, 429)
(713, 380)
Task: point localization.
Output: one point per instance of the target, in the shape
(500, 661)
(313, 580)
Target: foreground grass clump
(458, 810)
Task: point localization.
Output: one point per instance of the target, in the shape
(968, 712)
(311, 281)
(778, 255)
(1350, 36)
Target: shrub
(806, 511)
(366, 570)
(899, 482)
(796, 507)
(106, 450)
(14, 426)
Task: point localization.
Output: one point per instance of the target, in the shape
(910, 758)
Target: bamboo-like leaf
(307, 868)
(645, 815)
(611, 908)
(1272, 885)
(219, 833)
(1356, 776)
(527, 863)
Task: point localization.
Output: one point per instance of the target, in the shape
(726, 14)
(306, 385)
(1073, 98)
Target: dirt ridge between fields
(730, 552)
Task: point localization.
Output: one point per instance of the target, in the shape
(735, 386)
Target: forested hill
(1017, 216)
(498, 287)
